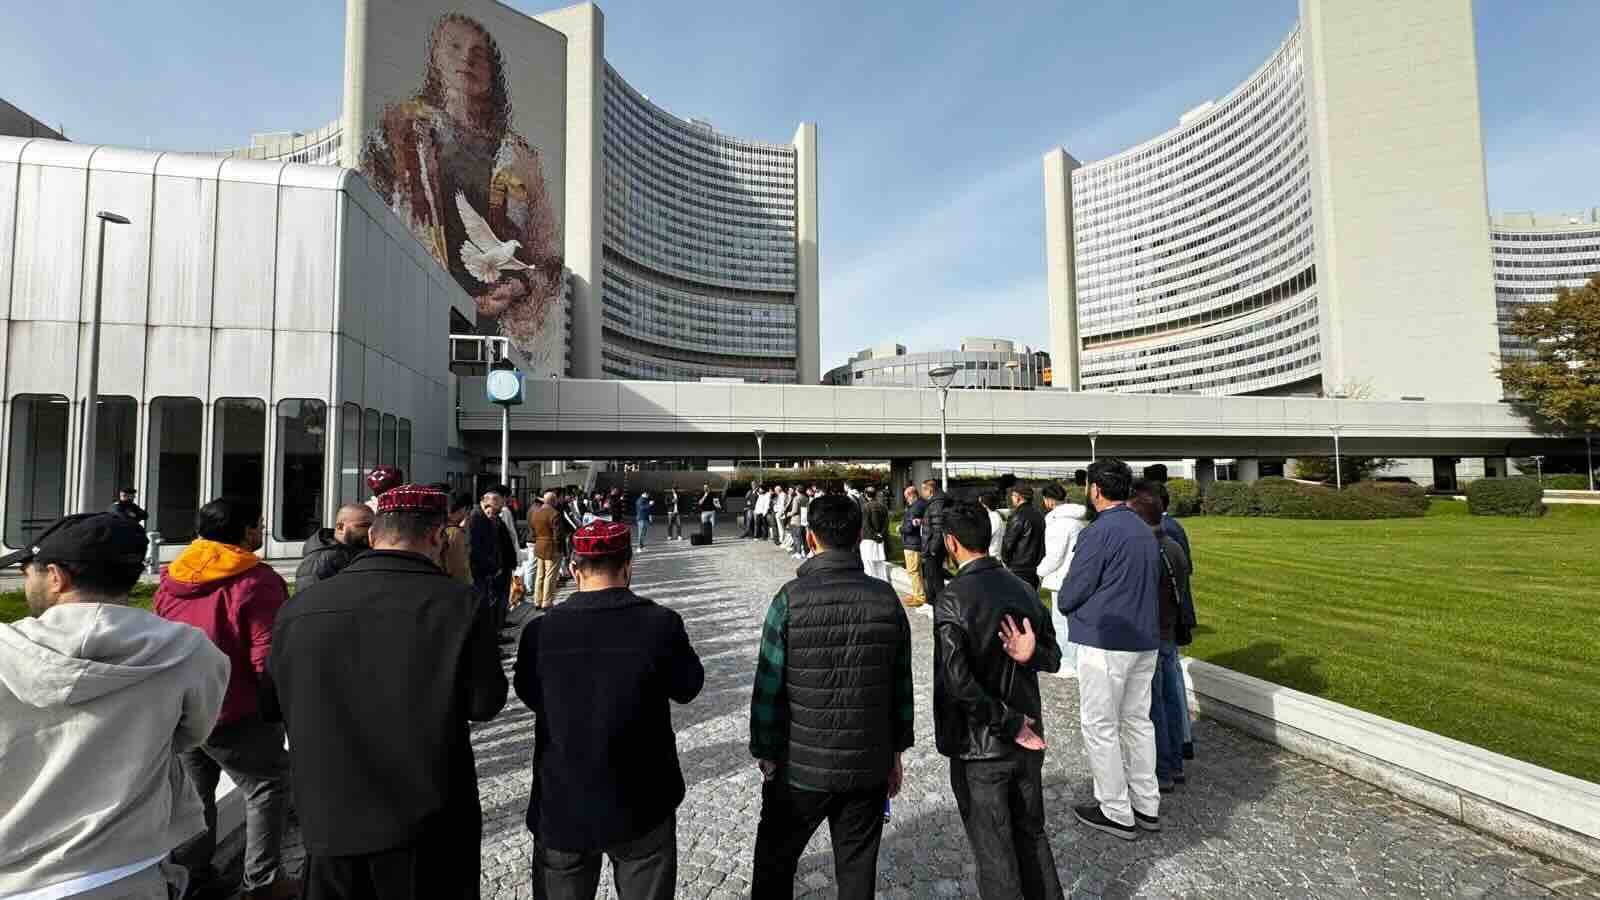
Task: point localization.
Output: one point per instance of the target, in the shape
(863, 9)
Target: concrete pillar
(922, 470)
(1496, 467)
(1247, 469)
(899, 477)
(1205, 474)
(1444, 473)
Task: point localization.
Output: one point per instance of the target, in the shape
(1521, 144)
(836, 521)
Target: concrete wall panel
(302, 361)
(122, 359)
(42, 358)
(127, 191)
(247, 228)
(307, 231)
(8, 222)
(48, 275)
(236, 369)
(177, 361)
(352, 372)
(183, 250)
(376, 380)
(590, 404)
(860, 410)
(355, 271)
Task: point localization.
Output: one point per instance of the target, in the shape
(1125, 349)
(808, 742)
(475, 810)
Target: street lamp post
(92, 396)
(1012, 367)
(1338, 469)
(1094, 446)
(761, 454)
(941, 378)
(1588, 446)
(1539, 462)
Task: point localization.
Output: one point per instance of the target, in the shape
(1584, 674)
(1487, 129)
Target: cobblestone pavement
(1253, 821)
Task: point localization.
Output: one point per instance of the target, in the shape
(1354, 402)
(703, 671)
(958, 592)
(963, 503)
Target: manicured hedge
(1282, 498)
(1185, 497)
(1506, 497)
(1566, 482)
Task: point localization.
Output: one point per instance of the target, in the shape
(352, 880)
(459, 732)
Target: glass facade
(1533, 257)
(699, 252)
(1195, 255)
(302, 442)
(36, 484)
(172, 472)
(974, 369)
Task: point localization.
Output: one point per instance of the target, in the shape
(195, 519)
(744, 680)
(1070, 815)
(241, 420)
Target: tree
(1562, 382)
(1355, 468)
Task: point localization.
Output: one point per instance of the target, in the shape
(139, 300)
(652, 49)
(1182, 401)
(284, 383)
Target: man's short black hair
(1024, 491)
(500, 489)
(226, 519)
(1146, 500)
(460, 500)
(1156, 489)
(1112, 477)
(100, 579)
(969, 523)
(931, 484)
(405, 526)
(835, 520)
(1054, 491)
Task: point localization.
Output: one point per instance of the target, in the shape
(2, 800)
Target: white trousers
(1114, 706)
(873, 560)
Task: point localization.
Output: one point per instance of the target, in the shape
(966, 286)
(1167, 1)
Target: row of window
(1548, 252)
(671, 165)
(1281, 291)
(1541, 236)
(1592, 262)
(711, 144)
(1218, 349)
(617, 363)
(38, 466)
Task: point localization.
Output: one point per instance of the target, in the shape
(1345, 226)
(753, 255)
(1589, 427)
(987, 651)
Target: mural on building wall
(450, 163)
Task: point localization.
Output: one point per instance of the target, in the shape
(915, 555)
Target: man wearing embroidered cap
(94, 697)
(377, 673)
(598, 672)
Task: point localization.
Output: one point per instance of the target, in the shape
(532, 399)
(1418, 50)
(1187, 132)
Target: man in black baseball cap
(94, 697)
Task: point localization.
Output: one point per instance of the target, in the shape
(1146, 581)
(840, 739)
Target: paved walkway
(1254, 821)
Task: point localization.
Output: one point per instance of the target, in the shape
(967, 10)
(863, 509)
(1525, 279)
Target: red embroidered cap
(601, 538)
(383, 479)
(413, 498)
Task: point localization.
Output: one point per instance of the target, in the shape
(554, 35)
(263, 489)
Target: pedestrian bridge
(570, 418)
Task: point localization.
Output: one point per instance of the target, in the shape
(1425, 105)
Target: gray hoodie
(94, 701)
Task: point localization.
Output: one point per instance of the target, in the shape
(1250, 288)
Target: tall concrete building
(677, 252)
(1323, 228)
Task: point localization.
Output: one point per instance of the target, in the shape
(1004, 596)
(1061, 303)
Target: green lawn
(1483, 629)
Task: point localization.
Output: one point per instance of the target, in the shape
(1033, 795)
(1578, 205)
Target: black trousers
(645, 868)
(1002, 808)
(428, 870)
(789, 816)
(933, 576)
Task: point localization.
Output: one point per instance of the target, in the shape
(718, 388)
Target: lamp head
(942, 376)
(112, 217)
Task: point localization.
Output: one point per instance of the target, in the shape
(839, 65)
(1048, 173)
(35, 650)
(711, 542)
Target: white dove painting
(482, 253)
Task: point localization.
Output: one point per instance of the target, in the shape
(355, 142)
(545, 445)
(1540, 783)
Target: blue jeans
(1166, 712)
(643, 526)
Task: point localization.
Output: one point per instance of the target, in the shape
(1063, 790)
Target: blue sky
(933, 116)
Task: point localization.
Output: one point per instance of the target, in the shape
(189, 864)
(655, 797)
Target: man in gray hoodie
(95, 697)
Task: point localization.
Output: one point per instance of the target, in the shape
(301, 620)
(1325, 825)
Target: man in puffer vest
(832, 709)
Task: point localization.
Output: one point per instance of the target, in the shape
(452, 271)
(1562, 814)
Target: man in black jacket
(598, 672)
(933, 552)
(1023, 548)
(384, 779)
(493, 551)
(832, 710)
(327, 552)
(992, 638)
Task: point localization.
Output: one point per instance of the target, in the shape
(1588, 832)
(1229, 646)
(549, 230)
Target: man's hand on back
(896, 778)
(1019, 644)
(1027, 738)
(768, 767)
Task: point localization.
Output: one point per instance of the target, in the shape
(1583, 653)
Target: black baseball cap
(88, 538)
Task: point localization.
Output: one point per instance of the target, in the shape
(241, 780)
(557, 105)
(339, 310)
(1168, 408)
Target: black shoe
(1090, 815)
(1180, 779)
(1148, 823)
(1167, 787)
(1188, 749)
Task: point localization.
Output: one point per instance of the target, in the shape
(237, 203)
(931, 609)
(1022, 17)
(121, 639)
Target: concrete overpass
(580, 419)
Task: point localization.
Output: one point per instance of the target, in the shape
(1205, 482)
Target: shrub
(1566, 482)
(1185, 495)
(1229, 498)
(1505, 497)
(1285, 499)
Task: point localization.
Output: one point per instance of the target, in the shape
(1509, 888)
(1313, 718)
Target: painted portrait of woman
(471, 189)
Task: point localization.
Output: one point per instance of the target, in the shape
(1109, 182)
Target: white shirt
(86, 883)
(997, 533)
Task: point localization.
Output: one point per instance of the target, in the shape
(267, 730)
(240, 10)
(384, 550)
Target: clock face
(502, 385)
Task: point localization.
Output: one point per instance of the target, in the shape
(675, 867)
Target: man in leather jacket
(1024, 541)
(933, 552)
(992, 638)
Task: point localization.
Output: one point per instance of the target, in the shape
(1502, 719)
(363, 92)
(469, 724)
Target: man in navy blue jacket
(1112, 603)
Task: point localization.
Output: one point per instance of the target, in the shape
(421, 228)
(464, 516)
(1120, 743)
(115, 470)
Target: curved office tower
(1321, 229)
(1534, 255)
(700, 258)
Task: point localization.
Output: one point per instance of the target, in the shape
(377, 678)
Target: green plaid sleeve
(904, 693)
(769, 709)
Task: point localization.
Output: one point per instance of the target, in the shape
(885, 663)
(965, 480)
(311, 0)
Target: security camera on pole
(504, 386)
